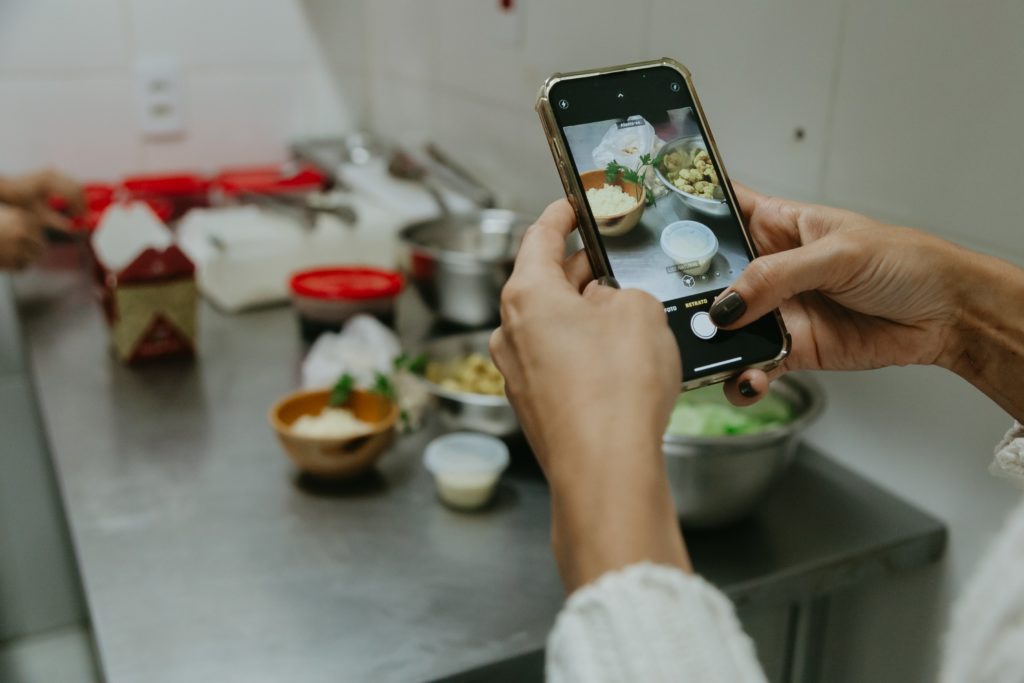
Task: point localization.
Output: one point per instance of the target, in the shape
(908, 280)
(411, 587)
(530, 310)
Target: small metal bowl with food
(722, 460)
(617, 205)
(469, 389)
(684, 167)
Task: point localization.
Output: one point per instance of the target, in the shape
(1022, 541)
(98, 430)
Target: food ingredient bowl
(326, 297)
(461, 409)
(331, 457)
(716, 480)
(466, 468)
(620, 223)
(459, 263)
(691, 245)
(689, 145)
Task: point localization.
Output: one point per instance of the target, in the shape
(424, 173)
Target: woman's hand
(854, 293)
(35, 191)
(857, 294)
(593, 377)
(21, 238)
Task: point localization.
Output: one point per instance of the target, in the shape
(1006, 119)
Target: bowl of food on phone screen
(684, 167)
(616, 202)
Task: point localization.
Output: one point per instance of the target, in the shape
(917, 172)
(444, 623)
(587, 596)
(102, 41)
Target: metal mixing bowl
(712, 207)
(459, 263)
(462, 410)
(718, 480)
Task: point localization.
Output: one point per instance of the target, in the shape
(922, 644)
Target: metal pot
(462, 410)
(718, 480)
(459, 263)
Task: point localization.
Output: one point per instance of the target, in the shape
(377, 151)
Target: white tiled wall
(254, 75)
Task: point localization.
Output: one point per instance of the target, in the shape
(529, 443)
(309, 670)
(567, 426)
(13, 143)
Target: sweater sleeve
(1009, 459)
(985, 643)
(650, 623)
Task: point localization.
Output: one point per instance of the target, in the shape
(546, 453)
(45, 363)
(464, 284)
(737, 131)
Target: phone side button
(572, 201)
(702, 326)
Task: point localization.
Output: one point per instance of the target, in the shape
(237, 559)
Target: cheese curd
(609, 200)
(331, 423)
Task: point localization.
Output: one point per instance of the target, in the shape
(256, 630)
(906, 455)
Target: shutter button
(702, 326)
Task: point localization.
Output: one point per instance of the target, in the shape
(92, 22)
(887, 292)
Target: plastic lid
(466, 453)
(346, 283)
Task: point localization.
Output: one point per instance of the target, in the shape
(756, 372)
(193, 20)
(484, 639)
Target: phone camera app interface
(664, 220)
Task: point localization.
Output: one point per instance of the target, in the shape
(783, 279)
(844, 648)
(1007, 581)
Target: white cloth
(653, 623)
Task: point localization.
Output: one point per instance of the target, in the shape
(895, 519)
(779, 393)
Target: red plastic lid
(176, 185)
(268, 180)
(346, 283)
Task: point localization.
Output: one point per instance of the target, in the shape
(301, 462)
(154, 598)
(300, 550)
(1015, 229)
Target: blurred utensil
(401, 165)
(468, 184)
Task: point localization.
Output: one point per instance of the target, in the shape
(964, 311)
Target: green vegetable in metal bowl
(706, 412)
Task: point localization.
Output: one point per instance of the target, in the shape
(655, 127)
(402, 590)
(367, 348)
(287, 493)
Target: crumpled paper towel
(364, 348)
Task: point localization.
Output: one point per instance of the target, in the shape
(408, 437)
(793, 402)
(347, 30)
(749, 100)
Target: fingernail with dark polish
(747, 389)
(728, 309)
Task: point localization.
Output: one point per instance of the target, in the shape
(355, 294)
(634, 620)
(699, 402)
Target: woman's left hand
(593, 373)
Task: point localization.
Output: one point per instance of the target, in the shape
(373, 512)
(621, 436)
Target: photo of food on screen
(657, 199)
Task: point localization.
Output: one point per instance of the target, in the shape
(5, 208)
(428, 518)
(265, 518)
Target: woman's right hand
(858, 294)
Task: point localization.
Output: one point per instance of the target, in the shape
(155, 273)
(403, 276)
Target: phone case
(577, 197)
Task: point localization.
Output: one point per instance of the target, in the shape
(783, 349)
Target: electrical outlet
(159, 97)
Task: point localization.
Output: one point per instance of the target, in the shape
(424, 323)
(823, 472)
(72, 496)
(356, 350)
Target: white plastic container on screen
(691, 245)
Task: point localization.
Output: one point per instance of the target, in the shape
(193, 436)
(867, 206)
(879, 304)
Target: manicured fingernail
(728, 309)
(747, 389)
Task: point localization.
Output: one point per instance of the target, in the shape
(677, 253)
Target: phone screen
(656, 193)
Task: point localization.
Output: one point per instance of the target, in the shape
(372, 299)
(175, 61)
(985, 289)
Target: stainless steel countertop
(204, 556)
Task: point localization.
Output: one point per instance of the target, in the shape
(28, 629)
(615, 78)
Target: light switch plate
(158, 85)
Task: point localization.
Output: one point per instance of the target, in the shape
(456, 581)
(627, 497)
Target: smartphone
(655, 207)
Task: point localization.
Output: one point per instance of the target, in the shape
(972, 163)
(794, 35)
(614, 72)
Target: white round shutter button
(702, 326)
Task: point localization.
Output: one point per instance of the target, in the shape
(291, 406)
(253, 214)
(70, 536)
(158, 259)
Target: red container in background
(326, 297)
(181, 191)
(268, 180)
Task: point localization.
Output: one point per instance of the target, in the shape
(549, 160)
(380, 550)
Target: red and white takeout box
(146, 284)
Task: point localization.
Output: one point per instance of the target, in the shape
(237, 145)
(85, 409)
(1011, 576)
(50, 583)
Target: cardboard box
(146, 284)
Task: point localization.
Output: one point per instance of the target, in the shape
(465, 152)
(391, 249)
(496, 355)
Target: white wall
(253, 77)
(912, 112)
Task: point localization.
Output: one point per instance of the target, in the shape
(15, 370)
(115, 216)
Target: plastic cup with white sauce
(691, 245)
(466, 467)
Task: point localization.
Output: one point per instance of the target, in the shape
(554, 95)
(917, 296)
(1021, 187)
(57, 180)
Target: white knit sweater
(655, 623)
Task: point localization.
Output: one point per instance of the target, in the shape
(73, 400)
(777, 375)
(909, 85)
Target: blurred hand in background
(21, 238)
(30, 203)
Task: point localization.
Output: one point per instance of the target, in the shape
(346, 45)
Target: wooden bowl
(620, 223)
(333, 458)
